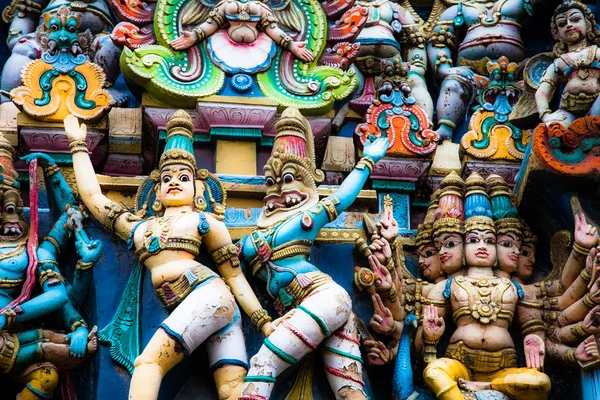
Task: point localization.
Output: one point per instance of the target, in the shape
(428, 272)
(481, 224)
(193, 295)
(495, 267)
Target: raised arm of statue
(585, 238)
(225, 254)
(576, 332)
(579, 288)
(111, 214)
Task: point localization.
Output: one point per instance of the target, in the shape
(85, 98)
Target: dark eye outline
(450, 244)
(524, 253)
(184, 178)
(288, 177)
(489, 240)
(269, 181)
(54, 28)
(10, 209)
(72, 29)
(473, 240)
(506, 243)
(429, 253)
(166, 178)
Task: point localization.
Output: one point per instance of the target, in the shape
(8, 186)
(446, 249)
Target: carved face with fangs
(290, 188)
(13, 226)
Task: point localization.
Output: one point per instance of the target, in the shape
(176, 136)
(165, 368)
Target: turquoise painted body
(402, 385)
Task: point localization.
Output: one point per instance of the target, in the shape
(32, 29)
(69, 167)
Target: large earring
(199, 203)
(157, 206)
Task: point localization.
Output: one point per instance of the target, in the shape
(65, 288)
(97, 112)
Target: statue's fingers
(528, 359)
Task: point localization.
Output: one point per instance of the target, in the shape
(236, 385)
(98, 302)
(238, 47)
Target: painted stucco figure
(201, 303)
(481, 354)
(26, 39)
(34, 357)
(250, 27)
(316, 309)
(492, 30)
(577, 65)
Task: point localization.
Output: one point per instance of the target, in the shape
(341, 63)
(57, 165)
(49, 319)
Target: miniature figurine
(202, 306)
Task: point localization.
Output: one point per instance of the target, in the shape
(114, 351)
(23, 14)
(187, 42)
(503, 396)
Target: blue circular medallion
(241, 82)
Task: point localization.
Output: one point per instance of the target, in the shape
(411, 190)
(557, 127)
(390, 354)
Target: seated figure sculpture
(234, 24)
(577, 64)
(201, 303)
(481, 354)
(315, 308)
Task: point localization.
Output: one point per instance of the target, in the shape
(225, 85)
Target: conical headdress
(425, 230)
(294, 142)
(179, 148)
(505, 214)
(478, 210)
(449, 215)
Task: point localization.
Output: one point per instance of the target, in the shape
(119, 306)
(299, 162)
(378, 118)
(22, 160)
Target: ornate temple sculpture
(492, 30)
(574, 28)
(35, 356)
(202, 306)
(94, 20)
(481, 354)
(63, 80)
(315, 309)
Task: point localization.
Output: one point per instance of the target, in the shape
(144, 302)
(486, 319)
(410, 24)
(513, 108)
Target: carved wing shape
(288, 14)
(526, 108)
(196, 11)
(560, 248)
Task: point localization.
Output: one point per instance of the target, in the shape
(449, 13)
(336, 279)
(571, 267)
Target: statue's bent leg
(420, 92)
(317, 316)
(228, 358)
(521, 383)
(441, 377)
(343, 362)
(455, 97)
(208, 308)
(40, 381)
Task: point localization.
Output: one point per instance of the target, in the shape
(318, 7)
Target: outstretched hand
(299, 50)
(73, 129)
(383, 279)
(381, 249)
(534, 351)
(433, 323)
(185, 41)
(90, 251)
(376, 149)
(587, 350)
(78, 342)
(383, 320)
(585, 234)
(388, 226)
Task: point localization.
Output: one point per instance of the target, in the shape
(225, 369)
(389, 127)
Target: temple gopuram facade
(299, 199)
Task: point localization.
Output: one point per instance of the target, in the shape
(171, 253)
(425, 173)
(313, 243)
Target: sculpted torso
(12, 268)
(476, 335)
(583, 78)
(168, 265)
(501, 36)
(243, 18)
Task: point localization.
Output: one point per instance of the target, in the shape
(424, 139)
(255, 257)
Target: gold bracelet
(545, 112)
(200, 35)
(429, 350)
(447, 122)
(79, 149)
(54, 243)
(569, 356)
(77, 324)
(11, 317)
(51, 170)
(330, 209)
(83, 266)
(578, 332)
(391, 294)
(365, 162)
(259, 318)
(533, 325)
(585, 275)
(285, 41)
(588, 301)
(580, 249)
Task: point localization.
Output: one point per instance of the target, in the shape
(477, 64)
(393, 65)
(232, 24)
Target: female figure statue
(202, 306)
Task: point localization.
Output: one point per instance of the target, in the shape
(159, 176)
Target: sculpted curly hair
(593, 34)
